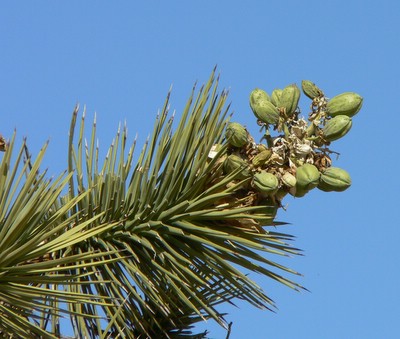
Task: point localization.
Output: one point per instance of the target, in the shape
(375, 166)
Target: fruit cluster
(294, 155)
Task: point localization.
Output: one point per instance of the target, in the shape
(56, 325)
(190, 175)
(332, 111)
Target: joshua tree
(149, 250)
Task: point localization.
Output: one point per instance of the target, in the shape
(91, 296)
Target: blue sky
(120, 59)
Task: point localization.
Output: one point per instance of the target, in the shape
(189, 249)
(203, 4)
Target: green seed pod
(336, 128)
(258, 95)
(334, 179)
(265, 111)
(233, 162)
(347, 103)
(310, 89)
(281, 193)
(307, 177)
(298, 192)
(289, 99)
(236, 134)
(265, 182)
(276, 96)
(261, 158)
(269, 211)
(261, 147)
(289, 180)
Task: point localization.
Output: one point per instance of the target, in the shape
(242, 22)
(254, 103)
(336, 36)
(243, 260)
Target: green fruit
(265, 111)
(258, 95)
(262, 147)
(276, 96)
(348, 103)
(281, 193)
(334, 179)
(236, 134)
(289, 180)
(267, 213)
(336, 128)
(265, 182)
(233, 162)
(261, 158)
(298, 192)
(307, 177)
(310, 89)
(289, 99)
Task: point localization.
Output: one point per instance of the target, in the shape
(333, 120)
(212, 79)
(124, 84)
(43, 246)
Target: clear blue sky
(120, 58)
